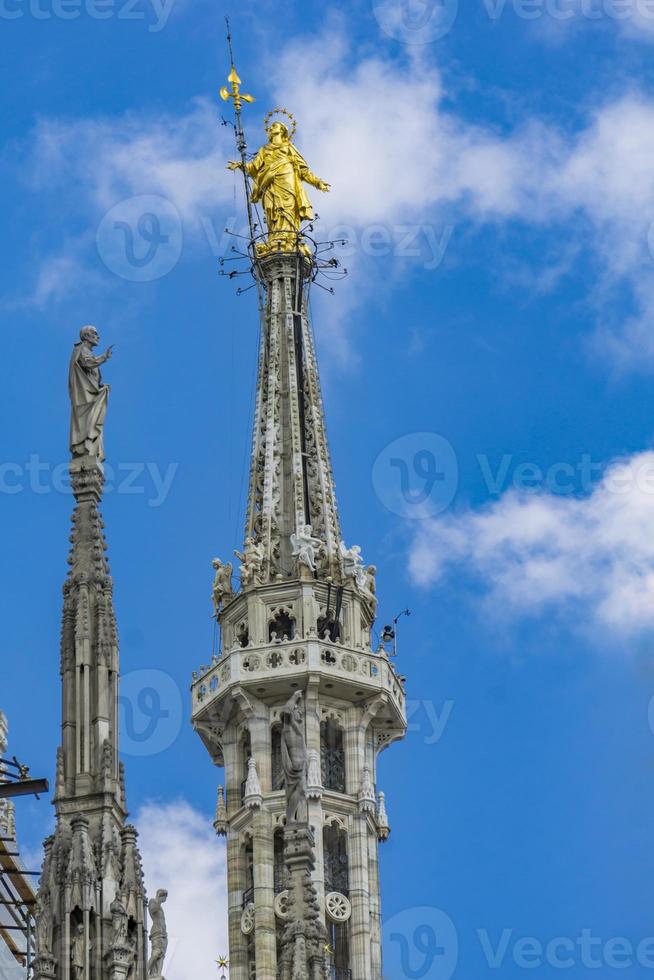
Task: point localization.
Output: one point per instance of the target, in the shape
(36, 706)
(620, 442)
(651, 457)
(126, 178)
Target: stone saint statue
(77, 952)
(88, 396)
(294, 760)
(158, 934)
(305, 546)
(222, 583)
(118, 923)
(278, 172)
(44, 926)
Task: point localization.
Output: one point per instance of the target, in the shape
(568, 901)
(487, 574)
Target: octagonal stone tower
(300, 620)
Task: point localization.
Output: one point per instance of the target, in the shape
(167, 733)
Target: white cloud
(181, 853)
(101, 161)
(590, 556)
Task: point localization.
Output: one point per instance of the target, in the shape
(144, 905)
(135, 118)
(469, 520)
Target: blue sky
(495, 182)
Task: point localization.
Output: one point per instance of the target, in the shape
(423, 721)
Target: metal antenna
(238, 98)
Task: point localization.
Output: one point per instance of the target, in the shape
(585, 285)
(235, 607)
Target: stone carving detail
(367, 798)
(88, 396)
(338, 907)
(281, 905)
(305, 547)
(353, 564)
(77, 948)
(294, 760)
(222, 583)
(247, 919)
(220, 818)
(44, 924)
(158, 935)
(119, 923)
(383, 827)
(251, 559)
(314, 776)
(369, 587)
(253, 798)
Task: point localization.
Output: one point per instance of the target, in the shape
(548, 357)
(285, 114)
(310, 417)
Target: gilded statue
(278, 173)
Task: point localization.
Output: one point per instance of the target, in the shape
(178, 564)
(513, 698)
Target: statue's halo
(281, 112)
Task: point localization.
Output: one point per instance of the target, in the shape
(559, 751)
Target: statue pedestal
(45, 968)
(86, 477)
(118, 960)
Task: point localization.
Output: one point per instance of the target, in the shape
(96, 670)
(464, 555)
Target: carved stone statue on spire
(305, 546)
(158, 935)
(294, 760)
(278, 173)
(88, 396)
(251, 559)
(222, 583)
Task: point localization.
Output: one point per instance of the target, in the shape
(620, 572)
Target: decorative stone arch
(242, 634)
(335, 820)
(282, 623)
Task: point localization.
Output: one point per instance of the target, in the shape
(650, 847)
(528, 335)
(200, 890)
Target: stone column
(265, 932)
(360, 898)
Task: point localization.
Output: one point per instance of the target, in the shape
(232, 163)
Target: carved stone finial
(367, 799)
(220, 819)
(253, 797)
(383, 826)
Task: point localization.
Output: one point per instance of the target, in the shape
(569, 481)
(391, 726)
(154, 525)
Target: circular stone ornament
(280, 906)
(247, 919)
(338, 907)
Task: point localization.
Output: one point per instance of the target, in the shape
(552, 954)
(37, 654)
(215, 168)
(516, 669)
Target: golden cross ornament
(235, 93)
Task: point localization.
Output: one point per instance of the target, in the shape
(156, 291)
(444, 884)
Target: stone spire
(300, 621)
(90, 911)
(291, 480)
(299, 699)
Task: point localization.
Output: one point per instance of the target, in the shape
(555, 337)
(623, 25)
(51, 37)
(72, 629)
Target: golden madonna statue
(278, 173)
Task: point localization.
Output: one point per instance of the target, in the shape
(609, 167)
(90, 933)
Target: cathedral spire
(90, 910)
(299, 698)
